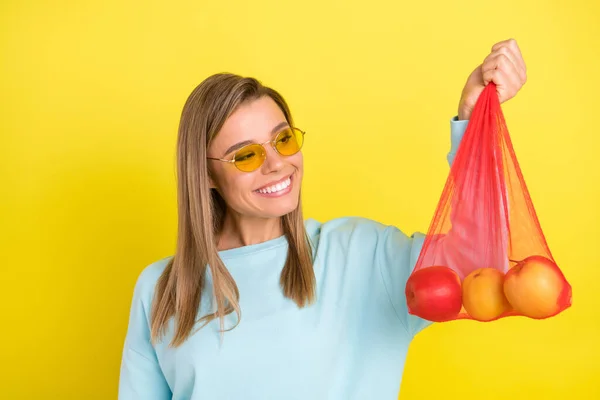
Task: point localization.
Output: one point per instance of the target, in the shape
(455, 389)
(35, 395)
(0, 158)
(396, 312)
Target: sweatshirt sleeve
(457, 130)
(399, 252)
(141, 377)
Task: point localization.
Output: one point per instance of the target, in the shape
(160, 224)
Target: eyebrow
(239, 145)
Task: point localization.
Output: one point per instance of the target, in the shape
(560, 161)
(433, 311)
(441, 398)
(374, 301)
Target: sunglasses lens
(250, 157)
(289, 141)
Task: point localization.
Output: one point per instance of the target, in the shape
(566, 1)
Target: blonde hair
(201, 212)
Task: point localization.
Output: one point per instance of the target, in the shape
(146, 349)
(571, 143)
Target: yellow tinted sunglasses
(250, 157)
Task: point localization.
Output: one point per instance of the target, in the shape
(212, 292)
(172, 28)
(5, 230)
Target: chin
(279, 210)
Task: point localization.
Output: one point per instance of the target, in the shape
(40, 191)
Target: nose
(273, 162)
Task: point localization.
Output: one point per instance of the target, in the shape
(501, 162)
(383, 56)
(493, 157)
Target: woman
(257, 303)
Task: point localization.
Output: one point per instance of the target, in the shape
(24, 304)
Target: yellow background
(91, 94)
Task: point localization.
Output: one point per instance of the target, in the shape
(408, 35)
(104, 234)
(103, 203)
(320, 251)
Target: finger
(507, 85)
(502, 43)
(498, 61)
(504, 59)
(492, 75)
(514, 59)
(518, 57)
(512, 45)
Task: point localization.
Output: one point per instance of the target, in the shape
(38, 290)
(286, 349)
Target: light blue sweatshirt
(351, 344)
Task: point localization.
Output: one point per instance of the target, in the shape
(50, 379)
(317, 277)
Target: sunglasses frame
(273, 142)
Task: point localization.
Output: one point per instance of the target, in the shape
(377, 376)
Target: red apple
(537, 288)
(434, 293)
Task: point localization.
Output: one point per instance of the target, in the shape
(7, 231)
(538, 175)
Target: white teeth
(276, 188)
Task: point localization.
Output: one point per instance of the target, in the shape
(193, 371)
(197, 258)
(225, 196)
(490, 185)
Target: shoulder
(343, 225)
(147, 279)
(351, 230)
(362, 233)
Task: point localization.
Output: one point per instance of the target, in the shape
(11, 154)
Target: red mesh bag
(485, 256)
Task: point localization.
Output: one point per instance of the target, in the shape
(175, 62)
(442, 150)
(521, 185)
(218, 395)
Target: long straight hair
(201, 212)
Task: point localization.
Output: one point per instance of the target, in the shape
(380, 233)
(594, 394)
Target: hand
(504, 66)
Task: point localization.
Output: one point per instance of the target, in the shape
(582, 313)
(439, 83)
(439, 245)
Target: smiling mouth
(276, 188)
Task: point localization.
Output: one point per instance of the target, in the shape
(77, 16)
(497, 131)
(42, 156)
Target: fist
(504, 66)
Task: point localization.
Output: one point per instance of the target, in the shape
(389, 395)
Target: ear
(211, 181)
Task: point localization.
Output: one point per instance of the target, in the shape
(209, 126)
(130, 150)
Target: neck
(239, 231)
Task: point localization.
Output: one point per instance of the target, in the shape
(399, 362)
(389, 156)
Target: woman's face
(273, 189)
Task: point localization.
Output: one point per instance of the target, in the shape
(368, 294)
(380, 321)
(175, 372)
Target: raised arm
(398, 252)
(460, 248)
